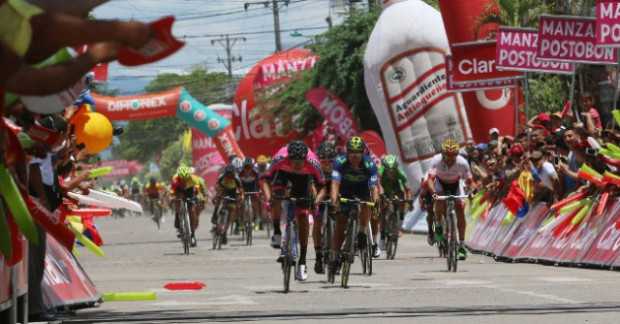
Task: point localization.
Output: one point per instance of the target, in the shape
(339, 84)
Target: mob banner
(572, 39)
(608, 23)
(473, 63)
(334, 110)
(517, 50)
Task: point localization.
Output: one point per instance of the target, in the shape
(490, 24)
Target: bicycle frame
(450, 230)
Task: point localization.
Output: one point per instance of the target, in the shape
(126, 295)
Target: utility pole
(275, 6)
(228, 42)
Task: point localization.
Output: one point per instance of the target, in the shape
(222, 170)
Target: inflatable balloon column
(486, 108)
(200, 117)
(405, 77)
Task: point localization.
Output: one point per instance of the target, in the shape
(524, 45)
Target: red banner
(486, 109)
(140, 107)
(121, 168)
(572, 39)
(527, 229)
(226, 144)
(474, 63)
(606, 247)
(334, 110)
(608, 23)
(255, 133)
(517, 50)
(206, 158)
(374, 142)
(65, 284)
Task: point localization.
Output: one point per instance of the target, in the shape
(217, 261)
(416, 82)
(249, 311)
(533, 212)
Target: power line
(228, 42)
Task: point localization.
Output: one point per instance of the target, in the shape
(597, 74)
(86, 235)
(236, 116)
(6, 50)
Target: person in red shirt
(590, 115)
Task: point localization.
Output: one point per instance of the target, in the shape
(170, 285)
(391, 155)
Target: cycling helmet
(184, 172)
(297, 150)
(229, 169)
(248, 162)
(237, 163)
(261, 159)
(355, 145)
(450, 146)
(326, 151)
(389, 162)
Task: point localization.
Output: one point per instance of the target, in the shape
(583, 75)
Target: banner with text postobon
(608, 23)
(462, 20)
(257, 132)
(517, 50)
(405, 78)
(140, 107)
(572, 39)
(473, 64)
(334, 111)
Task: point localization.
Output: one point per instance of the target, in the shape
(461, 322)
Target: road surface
(244, 284)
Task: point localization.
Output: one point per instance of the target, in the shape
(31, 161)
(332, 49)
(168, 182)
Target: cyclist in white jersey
(447, 169)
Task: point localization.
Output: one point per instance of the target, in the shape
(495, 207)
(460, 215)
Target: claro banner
(517, 50)
(140, 107)
(572, 39)
(485, 108)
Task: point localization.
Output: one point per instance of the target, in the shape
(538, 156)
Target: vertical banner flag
(473, 64)
(334, 111)
(405, 78)
(572, 39)
(257, 132)
(608, 23)
(206, 158)
(486, 109)
(517, 50)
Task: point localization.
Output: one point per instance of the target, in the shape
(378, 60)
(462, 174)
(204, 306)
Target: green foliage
(146, 140)
(340, 69)
(171, 157)
(547, 94)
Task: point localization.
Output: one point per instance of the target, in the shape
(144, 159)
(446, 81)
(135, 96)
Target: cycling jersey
(449, 175)
(355, 183)
(394, 185)
(281, 174)
(187, 186)
(152, 190)
(229, 185)
(249, 179)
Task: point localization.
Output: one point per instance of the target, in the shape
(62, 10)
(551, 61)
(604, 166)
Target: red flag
(53, 223)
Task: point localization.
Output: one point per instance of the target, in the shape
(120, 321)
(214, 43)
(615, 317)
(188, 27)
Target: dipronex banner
(517, 50)
(608, 23)
(474, 63)
(334, 111)
(206, 158)
(256, 132)
(140, 107)
(64, 283)
(486, 109)
(572, 39)
(405, 78)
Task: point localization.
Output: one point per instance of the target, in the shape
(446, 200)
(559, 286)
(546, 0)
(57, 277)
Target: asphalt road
(244, 284)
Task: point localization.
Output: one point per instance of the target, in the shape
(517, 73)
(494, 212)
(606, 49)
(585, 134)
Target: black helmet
(297, 150)
(229, 169)
(326, 151)
(248, 162)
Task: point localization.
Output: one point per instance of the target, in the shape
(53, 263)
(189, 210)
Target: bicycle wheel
(454, 243)
(349, 254)
(248, 223)
(395, 228)
(369, 254)
(185, 229)
(451, 242)
(288, 262)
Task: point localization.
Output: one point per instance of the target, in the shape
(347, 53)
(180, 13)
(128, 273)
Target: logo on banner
(185, 106)
(214, 124)
(397, 74)
(608, 23)
(493, 104)
(199, 116)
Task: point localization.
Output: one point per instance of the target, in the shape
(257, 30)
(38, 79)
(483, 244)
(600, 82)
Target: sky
(201, 21)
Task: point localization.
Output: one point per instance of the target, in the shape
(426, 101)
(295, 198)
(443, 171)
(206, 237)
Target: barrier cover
(65, 284)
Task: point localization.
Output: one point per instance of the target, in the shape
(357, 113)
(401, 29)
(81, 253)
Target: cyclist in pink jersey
(293, 173)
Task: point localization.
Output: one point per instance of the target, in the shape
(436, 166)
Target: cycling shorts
(444, 188)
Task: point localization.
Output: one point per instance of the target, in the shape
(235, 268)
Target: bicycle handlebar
(357, 201)
(252, 193)
(293, 199)
(450, 197)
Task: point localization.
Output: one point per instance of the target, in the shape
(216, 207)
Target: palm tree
(515, 13)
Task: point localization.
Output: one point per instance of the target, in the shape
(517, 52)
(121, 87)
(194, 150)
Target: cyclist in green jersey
(394, 184)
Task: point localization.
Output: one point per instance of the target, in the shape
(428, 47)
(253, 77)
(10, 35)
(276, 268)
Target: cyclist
(227, 185)
(249, 179)
(294, 171)
(152, 191)
(135, 190)
(446, 172)
(394, 184)
(185, 185)
(354, 176)
(327, 153)
(262, 164)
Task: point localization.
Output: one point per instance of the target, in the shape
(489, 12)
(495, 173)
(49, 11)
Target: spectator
(547, 182)
(591, 116)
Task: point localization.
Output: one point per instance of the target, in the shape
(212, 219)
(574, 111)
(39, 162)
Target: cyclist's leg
(316, 229)
(177, 210)
(341, 224)
(276, 212)
(194, 217)
(304, 231)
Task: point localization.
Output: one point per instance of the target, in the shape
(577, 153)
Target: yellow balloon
(94, 130)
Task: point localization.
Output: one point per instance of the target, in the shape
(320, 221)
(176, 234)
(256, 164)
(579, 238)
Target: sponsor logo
(282, 68)
(200, 115)
(213, 124)
(185, 106)
(137, 104)
(397, 74)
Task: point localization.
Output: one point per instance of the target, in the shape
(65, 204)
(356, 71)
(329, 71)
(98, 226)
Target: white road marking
(563, 279)
(535, 294)
(226, 300)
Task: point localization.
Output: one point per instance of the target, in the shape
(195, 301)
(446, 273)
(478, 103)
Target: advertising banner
(605, 248)
(139, 107)
(474, 62)
(206, 158)
(199, 116)
(334, 111)
(525, 232)
(65, 284)
(572, 39)
(491, 108)
(256, 131)
(121, 168)
(608, 23)
(517, 50)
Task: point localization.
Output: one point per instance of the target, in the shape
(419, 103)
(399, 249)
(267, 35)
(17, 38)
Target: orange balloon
(94, 130)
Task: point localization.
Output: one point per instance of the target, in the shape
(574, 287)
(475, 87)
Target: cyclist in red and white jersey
(444, 177)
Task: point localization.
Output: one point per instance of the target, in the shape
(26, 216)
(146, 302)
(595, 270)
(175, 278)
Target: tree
(146, 140)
